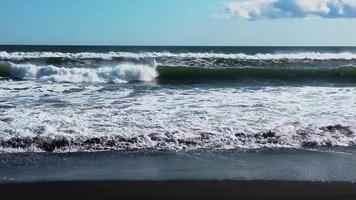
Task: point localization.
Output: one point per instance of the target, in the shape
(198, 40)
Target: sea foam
(39, 117)
(108, 74)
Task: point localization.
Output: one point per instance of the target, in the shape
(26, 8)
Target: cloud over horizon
(276, 9)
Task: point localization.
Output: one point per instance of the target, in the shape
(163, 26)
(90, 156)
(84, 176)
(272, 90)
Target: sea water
(74, 99)
(167, 113)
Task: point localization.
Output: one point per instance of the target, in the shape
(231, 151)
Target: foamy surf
(111, 74)
(130, 117)
(259, 98)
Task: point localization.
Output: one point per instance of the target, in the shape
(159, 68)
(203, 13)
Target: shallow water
(176, 98)
(335, 165)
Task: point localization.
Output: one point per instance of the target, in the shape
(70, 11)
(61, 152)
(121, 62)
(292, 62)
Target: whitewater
(114, 74)
(186, 100)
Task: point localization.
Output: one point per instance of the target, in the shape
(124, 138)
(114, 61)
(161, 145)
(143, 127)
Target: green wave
(5, 69)
(341, 74)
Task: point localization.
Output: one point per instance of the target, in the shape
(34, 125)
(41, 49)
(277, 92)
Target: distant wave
(112, 55)
(115, 74)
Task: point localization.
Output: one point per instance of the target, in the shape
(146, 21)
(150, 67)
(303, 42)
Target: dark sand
(320, 175)
(180, 190)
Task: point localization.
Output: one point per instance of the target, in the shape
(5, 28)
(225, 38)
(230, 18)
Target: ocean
(229, 102)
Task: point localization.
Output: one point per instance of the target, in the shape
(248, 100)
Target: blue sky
(178, 22)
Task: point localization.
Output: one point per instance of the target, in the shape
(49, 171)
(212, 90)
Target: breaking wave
(110, 74)
(44, 111)
(122, 73)
(327, 136)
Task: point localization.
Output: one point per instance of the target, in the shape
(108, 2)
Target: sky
(179, 22)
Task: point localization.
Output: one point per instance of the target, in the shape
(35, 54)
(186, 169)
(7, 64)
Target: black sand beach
(178, 100)
(177, 122)
(214, 175)
(181, 190)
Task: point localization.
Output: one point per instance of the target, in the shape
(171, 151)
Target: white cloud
(272, 9)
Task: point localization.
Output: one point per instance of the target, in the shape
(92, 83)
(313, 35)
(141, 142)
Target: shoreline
(296, 165)
(180, 190)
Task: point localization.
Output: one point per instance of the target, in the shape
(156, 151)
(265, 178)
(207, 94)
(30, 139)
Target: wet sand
(284, 165)
(180, 190)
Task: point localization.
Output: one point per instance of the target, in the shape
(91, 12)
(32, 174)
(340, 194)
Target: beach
(268, 174)
(178, 99)
(129, 122)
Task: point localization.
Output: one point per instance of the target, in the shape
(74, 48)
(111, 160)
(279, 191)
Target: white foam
(113, 74)
(172, 119)
(111, 55)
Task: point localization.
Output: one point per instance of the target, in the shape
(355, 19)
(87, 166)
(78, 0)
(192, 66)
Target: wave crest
(109, 74)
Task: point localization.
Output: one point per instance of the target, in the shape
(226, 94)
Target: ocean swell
(129, 72)
(191, 74)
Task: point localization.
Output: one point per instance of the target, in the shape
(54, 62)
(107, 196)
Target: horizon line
(106, 45)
